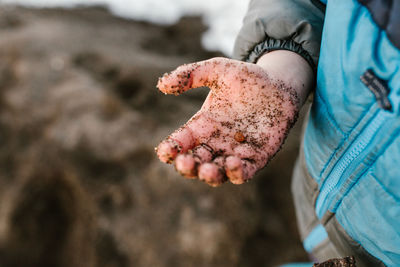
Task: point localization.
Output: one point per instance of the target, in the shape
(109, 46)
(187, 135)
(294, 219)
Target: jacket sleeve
(294, 25)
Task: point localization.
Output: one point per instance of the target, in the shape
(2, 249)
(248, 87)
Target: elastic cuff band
(270, 44)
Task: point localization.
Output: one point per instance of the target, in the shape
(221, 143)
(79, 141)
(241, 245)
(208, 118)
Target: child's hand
(242, 123)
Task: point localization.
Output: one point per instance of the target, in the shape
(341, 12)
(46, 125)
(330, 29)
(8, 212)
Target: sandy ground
(80, 184)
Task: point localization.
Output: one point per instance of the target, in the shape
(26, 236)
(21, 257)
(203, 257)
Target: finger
(185, 77)
(203, 153)
(239, 170)
(178, 142)
(167, 151)
(220, 162)
(211, 174)
(185, 164)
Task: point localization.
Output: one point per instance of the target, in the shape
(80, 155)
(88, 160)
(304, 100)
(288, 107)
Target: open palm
(241, 125)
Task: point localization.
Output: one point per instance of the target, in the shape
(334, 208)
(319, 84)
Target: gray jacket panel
(294, 25)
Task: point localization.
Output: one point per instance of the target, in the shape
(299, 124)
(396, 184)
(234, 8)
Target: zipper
(334, 181)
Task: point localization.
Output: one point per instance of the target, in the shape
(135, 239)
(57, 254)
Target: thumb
(192, 75)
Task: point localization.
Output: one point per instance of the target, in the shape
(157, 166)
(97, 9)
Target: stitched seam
(330, 116)
(395, 198)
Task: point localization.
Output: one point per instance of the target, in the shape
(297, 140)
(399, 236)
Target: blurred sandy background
(80, 184)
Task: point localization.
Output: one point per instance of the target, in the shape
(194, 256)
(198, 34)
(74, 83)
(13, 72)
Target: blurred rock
(344, 262)
(79, 181)
(49, 220)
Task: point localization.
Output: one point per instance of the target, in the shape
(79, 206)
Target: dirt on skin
(80, 184)
(247, 115)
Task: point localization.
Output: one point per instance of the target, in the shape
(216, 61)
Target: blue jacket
(351, 142)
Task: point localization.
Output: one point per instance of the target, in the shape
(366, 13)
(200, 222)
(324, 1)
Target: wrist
(291, 69)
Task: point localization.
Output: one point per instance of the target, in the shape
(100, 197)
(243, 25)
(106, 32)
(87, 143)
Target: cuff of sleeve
(270, 44)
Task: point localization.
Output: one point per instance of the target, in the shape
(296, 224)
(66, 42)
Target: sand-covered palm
(241, 125)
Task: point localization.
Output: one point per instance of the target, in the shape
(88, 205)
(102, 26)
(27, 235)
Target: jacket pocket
(370, 214)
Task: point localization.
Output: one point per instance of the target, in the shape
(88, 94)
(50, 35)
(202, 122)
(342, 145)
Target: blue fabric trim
(316, 237)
